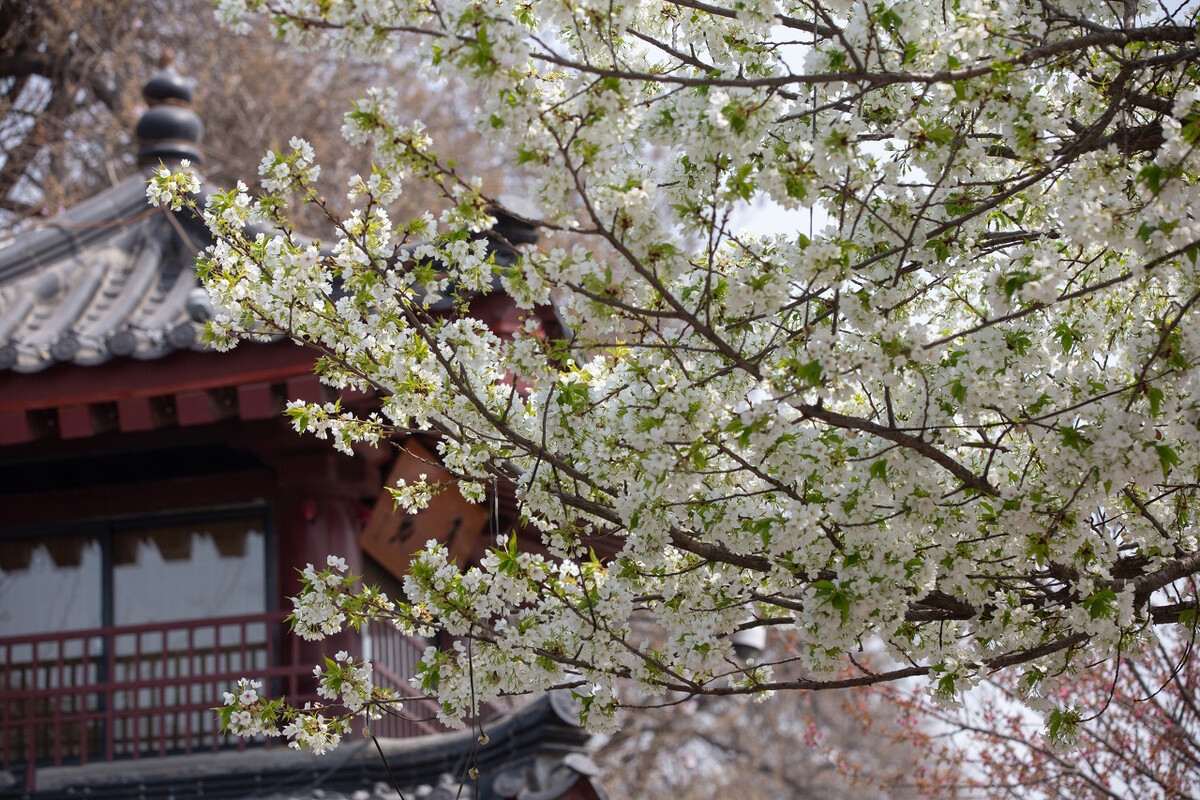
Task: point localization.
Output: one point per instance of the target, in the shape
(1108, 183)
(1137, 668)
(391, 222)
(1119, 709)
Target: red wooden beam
(255, 401)
(181, 371)
(305, 387)
(174, 494)
(15, 427)
(135, 414)
(75, 422)
(193, 408)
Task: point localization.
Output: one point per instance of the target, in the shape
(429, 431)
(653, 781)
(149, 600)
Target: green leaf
(1018, 341)
(953, 358)
(1073, 439)
(1101, 603)
(1187, 618)
(959, 203)
(1062, 726)
(832, 595)
(1167, 457)
(1155, 395)
(1152, 175)
(958, 391)
(1013, 282)
(810, 373)
(1038, 550)
(740, 183)
(1066, 335)
(736, 115)
(1191, 130)
(940, 135)
(888, 18)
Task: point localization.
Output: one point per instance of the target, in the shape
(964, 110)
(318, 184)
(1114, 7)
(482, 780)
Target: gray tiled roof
(114, 277)
(111, 277)
(536, 752)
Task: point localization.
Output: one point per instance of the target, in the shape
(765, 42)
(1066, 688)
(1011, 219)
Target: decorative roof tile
(111, 277)
(114, 277)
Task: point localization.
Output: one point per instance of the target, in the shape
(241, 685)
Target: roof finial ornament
(170, 130)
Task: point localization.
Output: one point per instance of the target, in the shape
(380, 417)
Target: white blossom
(953, 415)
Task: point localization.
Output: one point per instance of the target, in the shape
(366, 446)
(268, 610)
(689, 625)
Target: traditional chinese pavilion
(155, 507)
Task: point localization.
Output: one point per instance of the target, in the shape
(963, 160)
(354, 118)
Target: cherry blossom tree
(1138, 733)
(954, 418)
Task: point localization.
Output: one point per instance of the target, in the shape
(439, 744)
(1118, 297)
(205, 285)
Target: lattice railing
(148, 690)
(108, 693)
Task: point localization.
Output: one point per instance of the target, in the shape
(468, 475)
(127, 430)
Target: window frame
(105, 530)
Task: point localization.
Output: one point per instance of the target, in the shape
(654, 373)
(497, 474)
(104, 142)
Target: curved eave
(532, 753)
(114, 278)
(111, 277)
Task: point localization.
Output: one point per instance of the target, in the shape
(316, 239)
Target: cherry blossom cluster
(310, 730)
(349, 682)
(946, 409)
(330, 600)
(247, 714)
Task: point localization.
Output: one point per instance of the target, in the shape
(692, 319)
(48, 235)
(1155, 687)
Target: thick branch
(1150, 583)
(968, 478)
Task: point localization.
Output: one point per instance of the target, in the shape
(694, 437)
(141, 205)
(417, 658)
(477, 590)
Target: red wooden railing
(394, 658)
(108, 693)
(148, 690)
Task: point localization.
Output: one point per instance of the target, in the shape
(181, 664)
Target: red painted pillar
(317, 513)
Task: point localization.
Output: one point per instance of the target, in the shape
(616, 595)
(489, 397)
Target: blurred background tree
(811, 745)
(1139, 735)
(71, 73)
